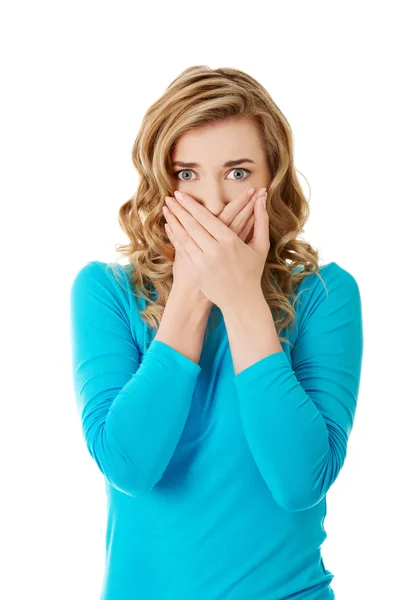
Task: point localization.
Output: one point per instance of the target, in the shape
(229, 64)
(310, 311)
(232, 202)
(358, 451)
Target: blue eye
(184, 171)
(190, 171)
(240, 169)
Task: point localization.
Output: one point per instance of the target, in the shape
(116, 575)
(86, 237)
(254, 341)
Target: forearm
(183, 324)
(251, 331)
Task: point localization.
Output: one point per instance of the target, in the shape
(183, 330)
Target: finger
(241, 219)
(231, 210)
(169, 233)
(181, 237)
(244, 234)
(173, 241)
(248, 227)
(204, 228)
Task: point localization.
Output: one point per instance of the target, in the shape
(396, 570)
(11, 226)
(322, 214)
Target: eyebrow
(229, 163)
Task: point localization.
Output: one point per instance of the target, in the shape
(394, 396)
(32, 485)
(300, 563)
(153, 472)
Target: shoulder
(96, 270)
(332, 274)
(104, 274)
(332, 286)
(107, 282)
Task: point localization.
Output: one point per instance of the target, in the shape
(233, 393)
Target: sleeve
(132, 414)
(297, 417)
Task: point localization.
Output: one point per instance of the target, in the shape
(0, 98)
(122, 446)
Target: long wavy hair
(198, 96)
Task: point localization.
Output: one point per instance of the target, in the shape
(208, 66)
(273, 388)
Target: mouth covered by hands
(210, 250)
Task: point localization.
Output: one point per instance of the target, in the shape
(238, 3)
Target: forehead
(223, 140)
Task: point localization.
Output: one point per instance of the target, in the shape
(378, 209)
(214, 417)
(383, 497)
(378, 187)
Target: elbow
(128, 484)
(296, 501)
(131, 475)
(122, 475)
(132, 481)
(132, 485)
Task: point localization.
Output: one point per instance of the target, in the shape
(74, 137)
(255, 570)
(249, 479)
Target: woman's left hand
(224, 268)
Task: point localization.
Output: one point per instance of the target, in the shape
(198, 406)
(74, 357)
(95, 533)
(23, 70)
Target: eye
(246, 170)
(176, 175)
(184, 171)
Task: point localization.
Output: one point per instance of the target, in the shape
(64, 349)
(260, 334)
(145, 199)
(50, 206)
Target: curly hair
(200, 95)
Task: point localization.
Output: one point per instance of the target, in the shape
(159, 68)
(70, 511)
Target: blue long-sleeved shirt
(216, 483)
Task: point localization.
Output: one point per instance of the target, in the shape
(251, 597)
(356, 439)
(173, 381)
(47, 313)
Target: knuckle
(214, 253)
(205, 213)
(228, 239)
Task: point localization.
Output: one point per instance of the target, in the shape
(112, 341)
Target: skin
(211, 184)
(250, 326)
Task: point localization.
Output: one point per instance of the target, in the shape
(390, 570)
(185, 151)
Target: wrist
(245, 303)
(192, 299)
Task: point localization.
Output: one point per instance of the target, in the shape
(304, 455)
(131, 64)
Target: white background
(76, 79)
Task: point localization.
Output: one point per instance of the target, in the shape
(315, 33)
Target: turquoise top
(216, 483)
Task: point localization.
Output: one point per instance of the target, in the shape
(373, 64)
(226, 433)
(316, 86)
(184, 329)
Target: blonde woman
(217, 373)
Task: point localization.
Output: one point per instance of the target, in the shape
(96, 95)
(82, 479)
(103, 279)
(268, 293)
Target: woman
(217, 444)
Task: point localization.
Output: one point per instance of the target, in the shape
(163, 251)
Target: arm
(297, 415)
(183, 323)
(132, 413)
(251, 330)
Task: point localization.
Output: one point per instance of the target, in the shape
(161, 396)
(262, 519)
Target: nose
(214, 199)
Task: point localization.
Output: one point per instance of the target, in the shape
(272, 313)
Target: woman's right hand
(238, 215)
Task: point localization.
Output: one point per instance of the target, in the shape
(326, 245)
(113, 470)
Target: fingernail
(261, 192)
(178, 195)
(250, 192)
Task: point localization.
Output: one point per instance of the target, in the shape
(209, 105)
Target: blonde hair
(198, 96)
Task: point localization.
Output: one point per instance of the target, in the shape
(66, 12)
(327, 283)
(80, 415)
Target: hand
(238, 215)
(219, 262)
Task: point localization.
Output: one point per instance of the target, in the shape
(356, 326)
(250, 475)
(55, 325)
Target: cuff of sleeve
(265, 366)
(161, 350)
